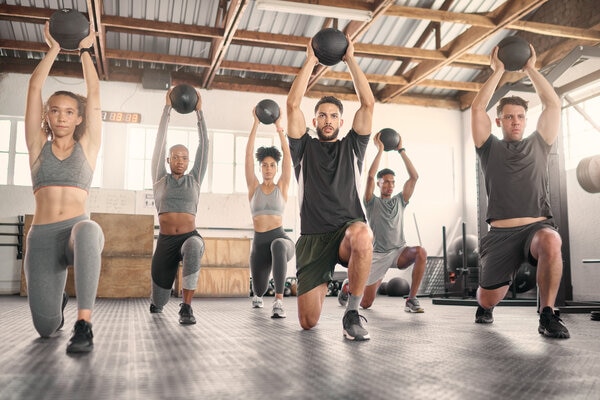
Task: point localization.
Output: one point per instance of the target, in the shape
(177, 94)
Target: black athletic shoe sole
(64, 304)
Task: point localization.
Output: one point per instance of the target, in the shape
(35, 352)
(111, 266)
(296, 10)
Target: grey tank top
(74, 170)
(267, 204)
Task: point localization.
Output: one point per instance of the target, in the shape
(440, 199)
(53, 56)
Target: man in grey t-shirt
(516, 179)
(385, 217)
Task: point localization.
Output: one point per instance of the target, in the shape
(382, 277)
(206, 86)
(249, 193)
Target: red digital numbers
(116, 116)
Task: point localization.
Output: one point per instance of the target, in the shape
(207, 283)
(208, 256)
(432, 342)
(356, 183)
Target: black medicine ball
(69, 27)
(184, 99)
(267, 111)
(390, 139)
(397, 287)
(329, 45)
(514, 52)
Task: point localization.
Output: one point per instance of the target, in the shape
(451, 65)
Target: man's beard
(324, 137)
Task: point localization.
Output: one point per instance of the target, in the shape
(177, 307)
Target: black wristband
(401, 150)
(86, 50)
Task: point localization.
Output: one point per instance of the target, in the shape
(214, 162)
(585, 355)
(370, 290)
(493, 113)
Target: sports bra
(267, 204)
(48, 170)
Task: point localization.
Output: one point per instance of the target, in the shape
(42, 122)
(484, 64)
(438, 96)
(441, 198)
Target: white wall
(433, 139)
(584, 235)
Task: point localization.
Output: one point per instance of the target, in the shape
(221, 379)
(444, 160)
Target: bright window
(581, 126)
(5, 126)
(22, 172)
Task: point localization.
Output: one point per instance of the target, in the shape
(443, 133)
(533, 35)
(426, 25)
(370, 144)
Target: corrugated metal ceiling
(439, 59)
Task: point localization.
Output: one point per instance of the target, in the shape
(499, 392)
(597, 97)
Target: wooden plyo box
(224, 271)
(126, 257)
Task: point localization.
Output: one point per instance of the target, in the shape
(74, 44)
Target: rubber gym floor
(236, 352)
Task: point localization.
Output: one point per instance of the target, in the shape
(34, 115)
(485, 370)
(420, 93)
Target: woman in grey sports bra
(62, 157)
(271, 247)
(176, 196)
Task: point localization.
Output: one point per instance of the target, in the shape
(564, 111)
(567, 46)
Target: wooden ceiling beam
(502, 16)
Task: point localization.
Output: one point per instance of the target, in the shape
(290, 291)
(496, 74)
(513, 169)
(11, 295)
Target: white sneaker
(413, 306)
(343, 293)
(278, 311)
(257, 302)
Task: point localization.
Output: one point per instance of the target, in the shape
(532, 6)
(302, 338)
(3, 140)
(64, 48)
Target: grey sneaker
(278, 311)
(484, 316)
(353, 328)
(186, 315)
(413, 306)
(257, 302)
(343, 293)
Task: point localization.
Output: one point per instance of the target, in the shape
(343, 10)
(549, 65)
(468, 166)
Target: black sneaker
(353, 329)
(186, 315)
(484, 316)
(552, 326)
(62, 311)
(82, 339)
(154, 309)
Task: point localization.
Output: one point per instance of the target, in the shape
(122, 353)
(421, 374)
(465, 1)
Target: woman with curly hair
(271, 247)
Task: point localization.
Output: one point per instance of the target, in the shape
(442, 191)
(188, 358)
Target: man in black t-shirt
(333, 225)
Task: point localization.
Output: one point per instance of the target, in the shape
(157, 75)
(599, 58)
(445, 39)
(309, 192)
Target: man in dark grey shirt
(516, 180)
(333, 225)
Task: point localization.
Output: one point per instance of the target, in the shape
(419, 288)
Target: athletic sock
(353, 302)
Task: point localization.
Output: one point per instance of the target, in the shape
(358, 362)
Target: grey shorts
(503, 250)
(382, 262)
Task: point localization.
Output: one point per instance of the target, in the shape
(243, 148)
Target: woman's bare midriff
(265, 223)
(513, 222)
(173, 223)
(58, 203)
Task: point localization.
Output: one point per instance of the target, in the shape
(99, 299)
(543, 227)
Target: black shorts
(503, 250)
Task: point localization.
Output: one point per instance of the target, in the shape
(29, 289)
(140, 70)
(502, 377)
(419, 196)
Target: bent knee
(193, 244)
(308, 322)
(548, 238)
(360, 232)
(366, 303)
(488, 298)
(46, 327)
(546, 242)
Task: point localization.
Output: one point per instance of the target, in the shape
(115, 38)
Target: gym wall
(438, 200)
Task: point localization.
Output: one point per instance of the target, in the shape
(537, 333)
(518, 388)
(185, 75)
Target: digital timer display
(119, 116)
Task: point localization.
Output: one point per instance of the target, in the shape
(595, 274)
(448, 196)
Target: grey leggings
(50, 249)
(271, 250)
